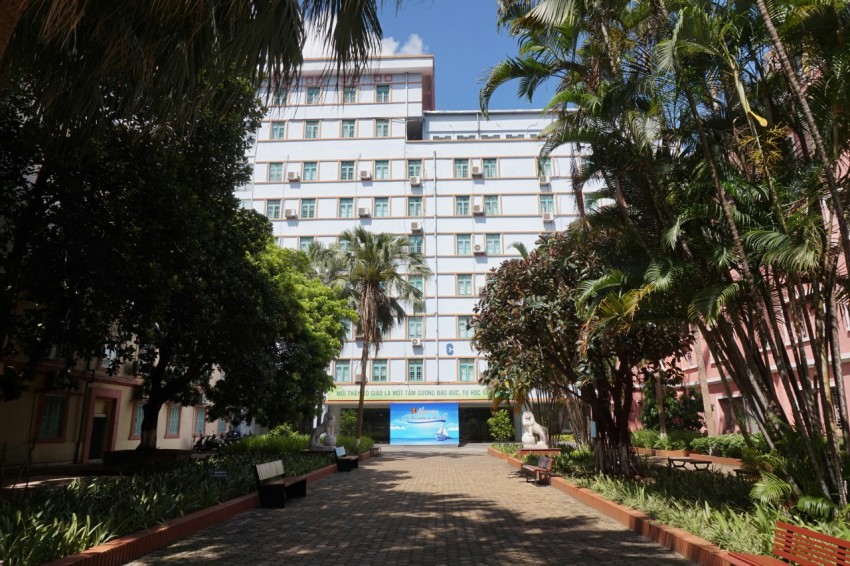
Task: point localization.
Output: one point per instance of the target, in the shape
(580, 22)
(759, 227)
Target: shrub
(575, 462)
(501, 426)
(644, 438)
(531, 459)
(729, 445)
(509, 448)
(347, 425)
(267, 443)
(282, 430)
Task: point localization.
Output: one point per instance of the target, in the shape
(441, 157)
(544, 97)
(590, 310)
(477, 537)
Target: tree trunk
(659, 399)
(361, 404)
(707, 407)
(150, 421)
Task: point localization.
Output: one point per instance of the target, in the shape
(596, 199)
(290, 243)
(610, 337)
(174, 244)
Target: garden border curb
(130, 547)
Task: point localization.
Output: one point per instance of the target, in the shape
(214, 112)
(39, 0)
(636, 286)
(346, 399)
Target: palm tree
(378, 290)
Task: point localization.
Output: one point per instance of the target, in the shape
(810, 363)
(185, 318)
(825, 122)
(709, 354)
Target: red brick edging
(680, 541)
(128, 548)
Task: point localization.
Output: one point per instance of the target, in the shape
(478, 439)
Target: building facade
(373, 152)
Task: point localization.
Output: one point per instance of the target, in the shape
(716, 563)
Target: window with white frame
(382, 169)
(382, 207)
(344, 245)
(308, 208)
(222, 426)
(414, 167)
(461, 168)
(464, 327)
(382, 93)
(138, 417)
(273, 209)
(346, 171)
(417, 282)
(349, 94)
(314, 95)
(382, 128)
(415, 242)
(464, 284)
(415, 370)
(466, 369)
(246, 204)
(544, 166)
(275, 172)
(349, 128)
(463, 244)
(346, 207)
(491, 205)
(304, 243)
(311, 129)
(342, 371)
(311, 171)
(414, 206)
(279, 97)
(379, 371)
(461, 206)
(547, 203)
(490, 170)
(414, 327)
(494, 244)
(52, 425)
(278, 130)
(173, 421)
(200, 420)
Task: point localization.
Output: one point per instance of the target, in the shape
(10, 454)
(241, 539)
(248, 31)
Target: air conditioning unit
(477, 209)
(548, 217)
(482, 291)
(478, 249)
(359, 337)
(416, 342)
(293, 176)
(476, 171)
(363, 212)
(415, 226)
(544, 179)
(415, 181)
(290, 213)
(365, 175)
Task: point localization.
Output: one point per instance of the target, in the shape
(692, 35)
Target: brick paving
(422, 506)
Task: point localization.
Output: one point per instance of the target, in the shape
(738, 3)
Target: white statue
(323, 438)
(530, 429)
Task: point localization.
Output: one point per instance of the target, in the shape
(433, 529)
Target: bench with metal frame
(344, 462)
(541, 471)
(799, 545)
(274, 488)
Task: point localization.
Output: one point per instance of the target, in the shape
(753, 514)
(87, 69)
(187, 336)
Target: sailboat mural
(424, 423)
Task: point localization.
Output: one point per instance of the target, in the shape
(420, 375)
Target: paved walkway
(421, 506)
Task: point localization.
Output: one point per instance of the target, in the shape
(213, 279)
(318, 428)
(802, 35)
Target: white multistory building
(373, 152)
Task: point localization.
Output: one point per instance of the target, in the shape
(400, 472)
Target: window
(382, 93)
(346, 207)
(138, 417)
(278, 130)
(308, 208)
(379, 371)
(349, 94)
(314, 94)
(415, 243)
(494, 244)
(222, 426)
(279, 97)
(414, 206)
(275, 172)
(464, 285)
(464, 327)
(346, 171)
(461, 168)
(52, 426)
(414, 167)
(544, 166)
(491, 205)
(414, 327)
(382, 128)
(547, 203)
(200, 420)
(347, 326)
(415, 370)
(311, 129)
(466, 369)
(344, 245)
(463, 244)
(461, 206)
(382, 169)
(311, 171)
(382, 207)
(246, 204)
(273, 209)
(349, 128)
(173, 425)
(417, 282)
(489, 168)
(342, 371)
(304, 243)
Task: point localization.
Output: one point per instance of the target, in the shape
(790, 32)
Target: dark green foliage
(682, 407)
(676, 440)
(577, 462)
(501, 426)
(531, 459)
(728, 445)
(644, 438)
(347, 425)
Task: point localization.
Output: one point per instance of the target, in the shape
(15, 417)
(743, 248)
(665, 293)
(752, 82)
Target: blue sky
(462, 36)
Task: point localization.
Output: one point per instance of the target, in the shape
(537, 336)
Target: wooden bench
(682, 463)
(274, 487)
(345, 463)
(543, 470)
(799, 545)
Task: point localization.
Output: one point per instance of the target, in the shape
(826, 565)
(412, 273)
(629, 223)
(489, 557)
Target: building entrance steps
(423, 506)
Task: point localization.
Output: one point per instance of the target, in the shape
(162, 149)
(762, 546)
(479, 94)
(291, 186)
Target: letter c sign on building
(450, 349)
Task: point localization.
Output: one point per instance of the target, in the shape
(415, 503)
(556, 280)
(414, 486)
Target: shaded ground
(422, 506)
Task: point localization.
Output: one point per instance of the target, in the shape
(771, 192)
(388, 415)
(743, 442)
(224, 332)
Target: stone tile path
(421, 506)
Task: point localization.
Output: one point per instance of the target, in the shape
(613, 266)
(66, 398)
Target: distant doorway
(102, 428)
(473, 424)
(99, 430)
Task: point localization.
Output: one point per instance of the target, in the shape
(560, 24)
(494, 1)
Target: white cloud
(393, 427)
(413, 46)
(452, 428)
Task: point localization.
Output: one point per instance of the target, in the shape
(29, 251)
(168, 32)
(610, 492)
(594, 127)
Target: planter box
(672, 453)
(515, 462)
(495, 453)
(721, 460)
(539, 451)
(643, 451)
